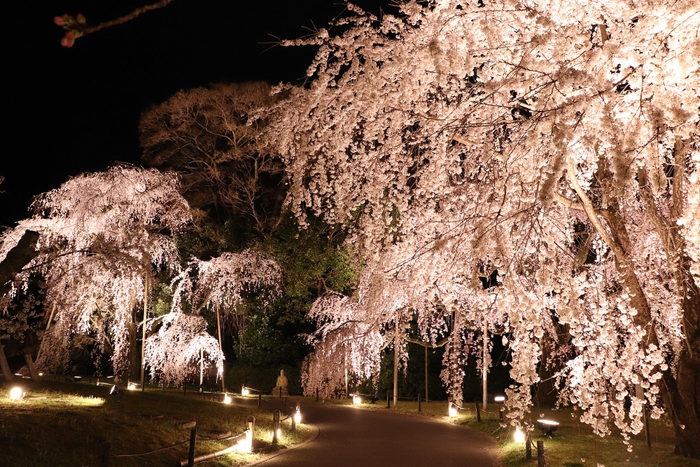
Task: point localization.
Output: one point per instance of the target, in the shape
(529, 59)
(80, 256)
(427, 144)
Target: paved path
(355, 437)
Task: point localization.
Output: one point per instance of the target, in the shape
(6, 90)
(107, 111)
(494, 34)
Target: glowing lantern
(519, 436)
(16, 393)
(356, 399)
(297, 417)
(131, 386)
(227, 399)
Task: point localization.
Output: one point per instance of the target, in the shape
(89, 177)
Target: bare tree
(211, 137)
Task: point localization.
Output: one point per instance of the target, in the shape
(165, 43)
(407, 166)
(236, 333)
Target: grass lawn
(68, 424)
(572, 445)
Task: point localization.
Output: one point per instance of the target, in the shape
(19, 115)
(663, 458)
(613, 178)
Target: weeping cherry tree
(553, 142)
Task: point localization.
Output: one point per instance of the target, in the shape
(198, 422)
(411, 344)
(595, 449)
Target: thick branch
(587, 205)
(561, 199)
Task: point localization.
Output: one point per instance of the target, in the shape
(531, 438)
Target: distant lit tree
(181, 349)
(224, 283)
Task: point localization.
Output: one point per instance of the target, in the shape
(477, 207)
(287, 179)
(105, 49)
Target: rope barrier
(154, 451)
(180, 444)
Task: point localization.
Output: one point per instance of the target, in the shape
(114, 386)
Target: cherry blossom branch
(77, 26)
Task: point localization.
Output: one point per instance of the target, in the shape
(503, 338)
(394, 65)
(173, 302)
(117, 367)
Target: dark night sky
(69, 111)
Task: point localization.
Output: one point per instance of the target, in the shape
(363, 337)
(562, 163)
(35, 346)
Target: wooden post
(316, 394)
(388, 404)
(528, 447)
(540, 454)
(500, 415)
(478, 412)
(419, 401)
(280, 392)
(275, 426)
(259, 399)
(106, 449)
(193, 442)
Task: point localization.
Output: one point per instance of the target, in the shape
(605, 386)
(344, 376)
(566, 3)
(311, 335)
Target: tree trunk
(32, 368)
(680, 394)
(146, 289)
(132, 372)
(17, 258)
(396, 363)
(485, 366)
(426, 373)
(221, 349)
(5, 366)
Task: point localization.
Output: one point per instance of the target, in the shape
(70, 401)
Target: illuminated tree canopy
(555, 143)
(102, 237)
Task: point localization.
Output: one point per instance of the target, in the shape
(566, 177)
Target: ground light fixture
(519, 436)
(227, 399)
(452, 411)
(131, 386)
(246, 444)
(244, 391)
(499, 399)
(547, 427)
(17, 393)
(356, 399)
(297, 416)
